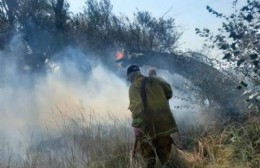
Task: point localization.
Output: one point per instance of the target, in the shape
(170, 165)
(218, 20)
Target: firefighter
(152, 72)
(153, 121)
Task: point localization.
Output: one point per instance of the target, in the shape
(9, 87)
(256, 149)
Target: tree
(239, 40)
(147, 33)
(42, 23)
(101, 31)
(47, 27)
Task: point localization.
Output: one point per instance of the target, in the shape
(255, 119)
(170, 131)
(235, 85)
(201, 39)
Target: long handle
(134, 149)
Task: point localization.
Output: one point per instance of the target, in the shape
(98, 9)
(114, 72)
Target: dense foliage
(47, 27)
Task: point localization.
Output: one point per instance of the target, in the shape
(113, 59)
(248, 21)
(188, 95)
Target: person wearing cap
(152, 73)
(153, 121)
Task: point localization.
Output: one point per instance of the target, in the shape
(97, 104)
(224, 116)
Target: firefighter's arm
(167, 89)
(136, 106)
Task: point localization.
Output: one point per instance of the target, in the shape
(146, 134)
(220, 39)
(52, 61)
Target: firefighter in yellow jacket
(153, 121)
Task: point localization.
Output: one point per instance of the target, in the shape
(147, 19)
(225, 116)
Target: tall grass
(237, 145)
(94, 142)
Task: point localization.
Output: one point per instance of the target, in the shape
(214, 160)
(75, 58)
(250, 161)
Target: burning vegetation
(64, 92)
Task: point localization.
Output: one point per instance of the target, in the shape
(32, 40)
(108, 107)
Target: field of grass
(88, 143)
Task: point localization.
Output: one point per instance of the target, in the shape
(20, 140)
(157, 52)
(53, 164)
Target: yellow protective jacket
(157, 119)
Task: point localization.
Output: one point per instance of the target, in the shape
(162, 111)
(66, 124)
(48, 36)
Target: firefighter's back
(158, 116)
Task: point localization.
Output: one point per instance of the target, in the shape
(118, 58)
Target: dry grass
(108, 144)
(237, 145)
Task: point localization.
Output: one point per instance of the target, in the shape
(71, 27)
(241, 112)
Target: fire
(119, 56)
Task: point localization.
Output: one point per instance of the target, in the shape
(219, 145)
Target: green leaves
(235, 35)
(224, 46)
(227, 56)
(253, 56)
(239, 37)
(240, 61)
(249, 17)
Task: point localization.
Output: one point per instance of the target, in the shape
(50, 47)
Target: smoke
(75, 85)
(190, 110)
(32, 103)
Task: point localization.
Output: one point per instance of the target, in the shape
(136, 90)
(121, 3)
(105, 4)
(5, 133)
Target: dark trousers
(155, 147)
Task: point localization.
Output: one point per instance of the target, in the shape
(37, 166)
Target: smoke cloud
(31, 103)
(75, 85)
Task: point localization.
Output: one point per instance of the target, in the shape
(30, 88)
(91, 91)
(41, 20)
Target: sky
(188, 14)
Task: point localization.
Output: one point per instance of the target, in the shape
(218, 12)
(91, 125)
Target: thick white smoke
(74, 87)
(29, 104)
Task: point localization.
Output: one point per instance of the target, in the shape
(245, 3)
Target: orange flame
(119, 55)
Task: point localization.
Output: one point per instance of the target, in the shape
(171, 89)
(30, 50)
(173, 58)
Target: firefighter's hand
(138, 132)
